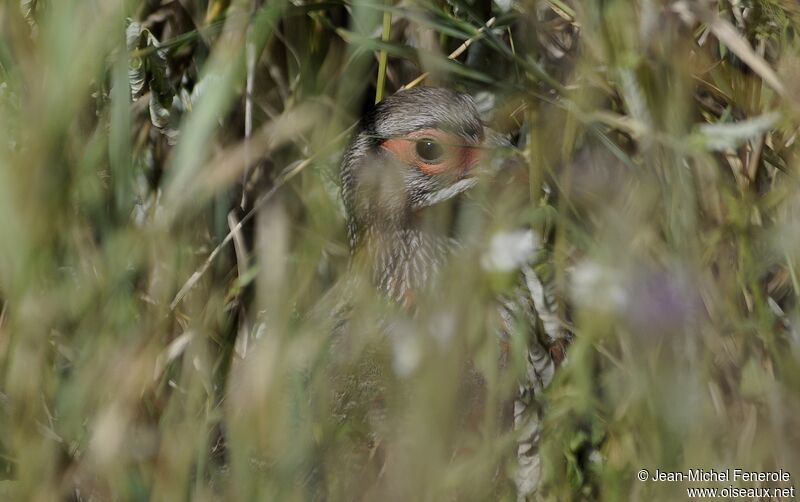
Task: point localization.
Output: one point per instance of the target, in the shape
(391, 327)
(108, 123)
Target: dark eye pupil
(429, 150)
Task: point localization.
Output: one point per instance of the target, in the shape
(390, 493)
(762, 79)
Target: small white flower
(510, 250)
(597, 286)
(407, 354)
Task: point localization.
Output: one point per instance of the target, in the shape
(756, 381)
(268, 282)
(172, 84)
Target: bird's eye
(430, 151)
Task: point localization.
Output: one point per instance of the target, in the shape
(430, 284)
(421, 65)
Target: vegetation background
(169, 217)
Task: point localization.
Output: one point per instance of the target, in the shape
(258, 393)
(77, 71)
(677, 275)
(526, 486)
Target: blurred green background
(170, 233)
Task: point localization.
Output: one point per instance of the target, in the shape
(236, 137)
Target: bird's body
(416, 152)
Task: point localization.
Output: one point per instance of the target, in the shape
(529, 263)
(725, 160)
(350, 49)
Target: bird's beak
(514, 169)
(496, 162)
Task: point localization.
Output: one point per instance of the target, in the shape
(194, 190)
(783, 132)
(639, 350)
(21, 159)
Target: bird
(414, 150)
(417, 150)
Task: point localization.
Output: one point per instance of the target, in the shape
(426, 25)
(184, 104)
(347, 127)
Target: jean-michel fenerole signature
(721, 475)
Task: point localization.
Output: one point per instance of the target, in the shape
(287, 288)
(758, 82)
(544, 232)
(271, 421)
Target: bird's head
(414, 150)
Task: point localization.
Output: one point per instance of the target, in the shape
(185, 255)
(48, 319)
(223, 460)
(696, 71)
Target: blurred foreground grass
(661, 141)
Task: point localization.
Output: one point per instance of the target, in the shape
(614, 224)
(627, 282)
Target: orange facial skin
(457, 159)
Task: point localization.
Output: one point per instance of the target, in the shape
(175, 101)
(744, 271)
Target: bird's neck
(402, 261)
